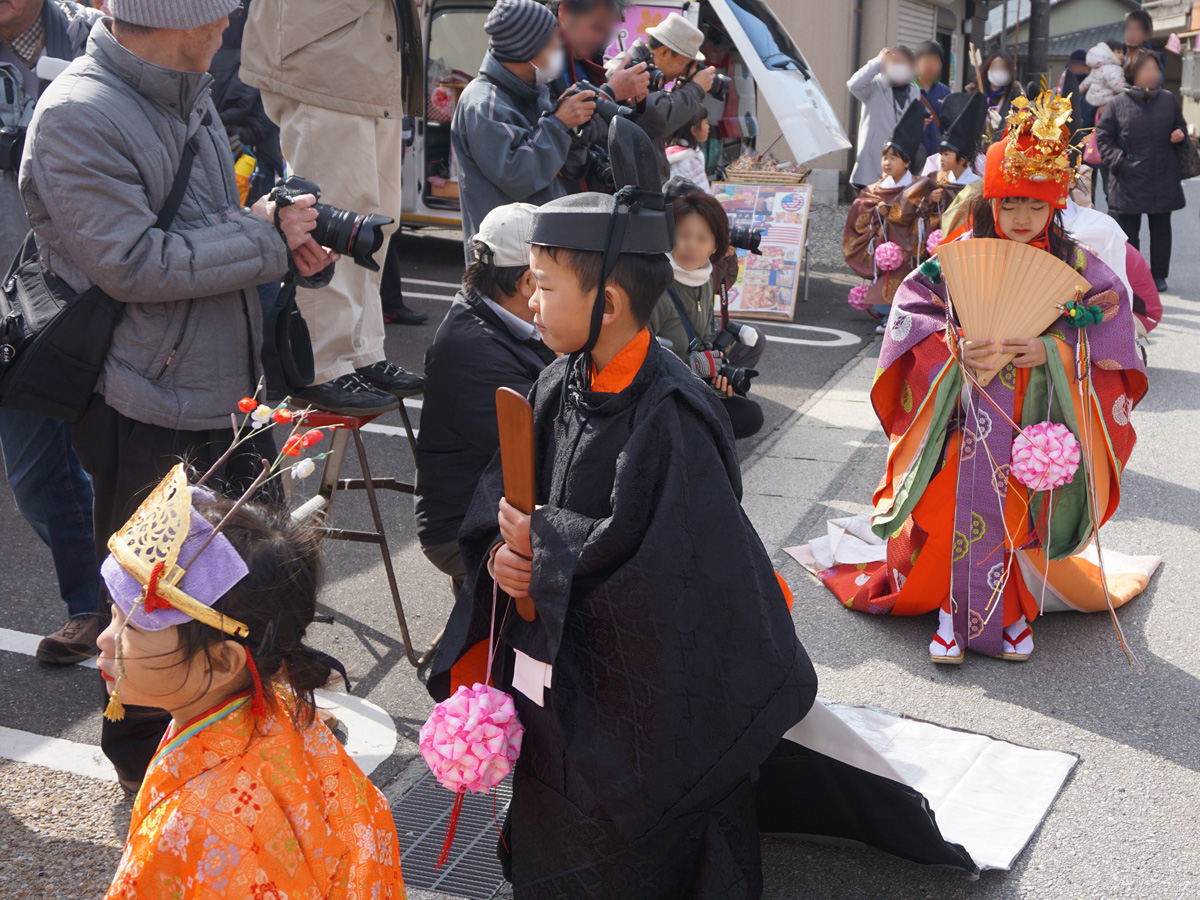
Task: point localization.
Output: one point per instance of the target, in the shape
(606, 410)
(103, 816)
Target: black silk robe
(676, 663)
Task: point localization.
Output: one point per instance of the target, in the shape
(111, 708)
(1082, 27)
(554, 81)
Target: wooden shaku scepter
(514, 416)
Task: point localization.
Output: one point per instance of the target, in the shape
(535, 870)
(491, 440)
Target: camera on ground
(357, 235)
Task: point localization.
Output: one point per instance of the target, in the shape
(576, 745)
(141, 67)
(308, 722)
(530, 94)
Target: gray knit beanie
(178, 14)
(519, 29)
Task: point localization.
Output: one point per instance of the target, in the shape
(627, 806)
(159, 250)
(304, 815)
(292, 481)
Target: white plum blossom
(261, 416)
(303, 469)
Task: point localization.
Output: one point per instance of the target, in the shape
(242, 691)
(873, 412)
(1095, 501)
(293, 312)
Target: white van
(751, 46)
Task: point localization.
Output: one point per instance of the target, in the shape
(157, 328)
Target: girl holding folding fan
(1006, 453)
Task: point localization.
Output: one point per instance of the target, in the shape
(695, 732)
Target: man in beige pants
(330, 76)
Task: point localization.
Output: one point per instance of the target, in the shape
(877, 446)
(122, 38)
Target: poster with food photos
(766, 287)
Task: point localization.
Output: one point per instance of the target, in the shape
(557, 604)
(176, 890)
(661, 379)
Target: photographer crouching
(671, 52)
(128, 180)
(683, 316)
(487, 341)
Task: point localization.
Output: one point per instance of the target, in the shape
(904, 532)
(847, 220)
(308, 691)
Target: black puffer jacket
(1134, 137)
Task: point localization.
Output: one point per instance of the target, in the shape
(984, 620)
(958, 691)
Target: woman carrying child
(684, 314)
(964, 536)
(248, 796)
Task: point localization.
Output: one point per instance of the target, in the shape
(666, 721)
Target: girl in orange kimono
(247, 797)
(965, 537)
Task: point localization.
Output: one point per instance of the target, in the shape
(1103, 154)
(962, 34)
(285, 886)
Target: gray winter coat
(103, 149)
(508, 151)
(66, 26)
(877, 121)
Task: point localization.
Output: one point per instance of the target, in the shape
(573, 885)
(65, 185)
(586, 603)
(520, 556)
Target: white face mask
(898, 73)
(553, 68)
(999, 77)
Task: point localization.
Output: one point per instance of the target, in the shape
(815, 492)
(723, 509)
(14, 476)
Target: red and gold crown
(1033, 159)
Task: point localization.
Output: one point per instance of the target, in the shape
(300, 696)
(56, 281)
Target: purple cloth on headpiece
(207, 580)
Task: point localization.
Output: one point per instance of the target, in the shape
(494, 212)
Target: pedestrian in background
(885, 88)
(330, 77)
(510, 137)
(50, 488)
(103, 151)
(933, 92)
(1136, 137)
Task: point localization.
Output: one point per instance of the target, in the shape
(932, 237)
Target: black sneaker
(74, 642)
(391, 378)
(402, 315)
(349, 395)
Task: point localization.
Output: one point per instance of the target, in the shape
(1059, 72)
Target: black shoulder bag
(53, 342)
(287, 354)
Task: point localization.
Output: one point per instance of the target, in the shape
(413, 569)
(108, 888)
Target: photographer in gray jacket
(102, 152)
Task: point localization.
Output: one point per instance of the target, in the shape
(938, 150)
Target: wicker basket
(744, 174)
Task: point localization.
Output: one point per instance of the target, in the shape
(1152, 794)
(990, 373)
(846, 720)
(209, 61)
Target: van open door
(783, 78)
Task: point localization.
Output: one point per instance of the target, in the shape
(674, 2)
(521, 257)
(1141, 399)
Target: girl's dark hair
(706, 207)
(494, 282)
(276, 600)
(984, 226)
(683, 137)
(1136, 59)
(1142, 18)
(1115, 45)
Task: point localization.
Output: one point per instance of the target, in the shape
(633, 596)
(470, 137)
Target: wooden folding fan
(1005, 289)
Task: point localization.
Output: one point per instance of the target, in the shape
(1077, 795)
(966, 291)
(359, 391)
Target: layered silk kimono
(956, 523)
(231, 810)
(880, 215)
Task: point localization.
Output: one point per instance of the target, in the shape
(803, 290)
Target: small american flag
(784, 235)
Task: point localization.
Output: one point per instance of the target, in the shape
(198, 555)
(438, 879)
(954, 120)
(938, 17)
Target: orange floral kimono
(235, 812)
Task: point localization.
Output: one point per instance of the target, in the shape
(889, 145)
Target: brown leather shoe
(74, 642)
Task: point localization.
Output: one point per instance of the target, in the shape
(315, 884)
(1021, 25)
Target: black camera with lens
(12, 145)
(745, 237)
(720, 87)
(643, 54)
(357, 235)
(723, 341)
(598, 170)
(606, 107)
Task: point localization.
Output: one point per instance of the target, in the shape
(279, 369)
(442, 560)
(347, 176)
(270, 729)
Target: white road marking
(370, 732)
(23, 642)
(839, 338)
(442, 284)
(55, 753)
(390, 430)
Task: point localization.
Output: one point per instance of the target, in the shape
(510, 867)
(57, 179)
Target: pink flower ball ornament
(889, 257)
(1045, 456)
(470, 743)
(472, 739)
(931, 242)
(857, 297)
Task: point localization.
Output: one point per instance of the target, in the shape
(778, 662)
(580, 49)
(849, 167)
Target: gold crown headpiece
(1039, 138)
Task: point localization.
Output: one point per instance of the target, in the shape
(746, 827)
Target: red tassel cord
(258, 706)
(153, 601)
(451, 828)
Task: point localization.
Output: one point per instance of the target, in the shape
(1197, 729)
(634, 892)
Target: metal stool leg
(369, 488)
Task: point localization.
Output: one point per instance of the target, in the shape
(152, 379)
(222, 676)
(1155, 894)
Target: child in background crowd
(247, 795)
(887, 215)
(662, 636)
(684, 314)
(1107, 78)
(685, 151)
(966, 118)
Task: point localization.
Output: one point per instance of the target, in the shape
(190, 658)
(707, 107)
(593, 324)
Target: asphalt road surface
(1126, 824)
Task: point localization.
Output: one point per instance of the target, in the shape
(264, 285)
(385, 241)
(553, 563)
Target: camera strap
(679, 307)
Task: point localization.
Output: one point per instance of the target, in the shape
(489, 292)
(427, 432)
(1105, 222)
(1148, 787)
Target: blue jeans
(54, 495)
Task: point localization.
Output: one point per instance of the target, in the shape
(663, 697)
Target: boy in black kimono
(674, 661)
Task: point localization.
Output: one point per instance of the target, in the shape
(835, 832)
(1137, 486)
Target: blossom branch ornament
(1045, 456)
